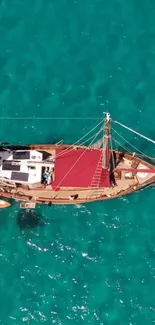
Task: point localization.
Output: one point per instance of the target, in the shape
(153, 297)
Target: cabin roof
(22, 166)
(21, 171)
(76, 168)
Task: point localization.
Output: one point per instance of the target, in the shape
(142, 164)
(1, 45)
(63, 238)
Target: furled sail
(98, 144)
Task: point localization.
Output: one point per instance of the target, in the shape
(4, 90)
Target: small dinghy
(4, 204)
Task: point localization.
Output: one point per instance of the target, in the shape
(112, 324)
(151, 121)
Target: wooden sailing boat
(72, 174)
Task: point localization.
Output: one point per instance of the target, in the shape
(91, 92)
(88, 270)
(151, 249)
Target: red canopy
(79, 168)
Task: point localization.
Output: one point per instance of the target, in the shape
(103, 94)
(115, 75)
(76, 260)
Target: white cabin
(24, 166)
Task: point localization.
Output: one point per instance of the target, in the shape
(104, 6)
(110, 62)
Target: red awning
(79, 168)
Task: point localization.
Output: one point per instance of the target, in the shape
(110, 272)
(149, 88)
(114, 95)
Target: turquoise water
(91, 264)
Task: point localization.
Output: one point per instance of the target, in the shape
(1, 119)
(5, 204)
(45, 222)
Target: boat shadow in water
(29, 219)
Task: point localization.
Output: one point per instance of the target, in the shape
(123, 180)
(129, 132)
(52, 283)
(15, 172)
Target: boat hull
(24, 198)
(84, 195)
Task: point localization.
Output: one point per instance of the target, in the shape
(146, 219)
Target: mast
(106, 142)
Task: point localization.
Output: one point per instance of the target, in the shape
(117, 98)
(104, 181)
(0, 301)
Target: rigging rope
(129, 129)
(76, 161)
(132, 145)
(125, 148)
(70, 149)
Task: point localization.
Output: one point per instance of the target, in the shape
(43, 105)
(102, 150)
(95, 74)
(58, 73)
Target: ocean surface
(61, 60)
